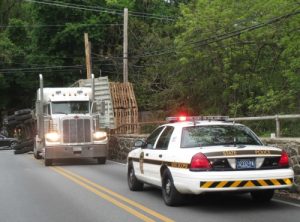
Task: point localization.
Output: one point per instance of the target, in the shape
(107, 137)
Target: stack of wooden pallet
(125, 108)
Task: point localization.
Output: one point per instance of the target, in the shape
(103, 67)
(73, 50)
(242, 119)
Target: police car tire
(133, 183)
(262, 196)
(170, 195)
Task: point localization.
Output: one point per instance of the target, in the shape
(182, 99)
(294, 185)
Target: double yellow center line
(120, 201)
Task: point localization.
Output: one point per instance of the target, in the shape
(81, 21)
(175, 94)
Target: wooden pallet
(125, 107)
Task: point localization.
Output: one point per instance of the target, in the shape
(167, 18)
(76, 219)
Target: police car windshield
(70, 107)
(217, 135)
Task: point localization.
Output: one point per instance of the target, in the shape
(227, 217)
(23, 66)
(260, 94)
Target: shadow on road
(221, 202)
(68, 162)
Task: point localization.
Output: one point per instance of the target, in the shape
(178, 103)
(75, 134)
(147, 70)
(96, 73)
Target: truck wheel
(12, 145)
(133, 183)
(23, 111)
(24, 144)
(37, 155)
(170, 195)
(101, 160)
(23, 150)
(48, 162)
(24, 117)
(262, 196)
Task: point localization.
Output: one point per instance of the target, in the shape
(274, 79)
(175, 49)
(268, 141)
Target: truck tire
(12, 117)
(37, 155)
(24, 144)
(24, 117)
(101, 160)
(48, 162)
(12, 122)
(24, 150)
(13, 144)
(22, 111)
(29, 121)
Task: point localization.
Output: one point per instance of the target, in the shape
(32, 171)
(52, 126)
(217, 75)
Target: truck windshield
(217, 135)
(70, 107)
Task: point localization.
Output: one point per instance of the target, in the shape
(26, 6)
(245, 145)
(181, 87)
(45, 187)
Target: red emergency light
(196, 118)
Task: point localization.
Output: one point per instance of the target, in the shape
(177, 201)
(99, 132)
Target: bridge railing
(276, 118)
(142, 126)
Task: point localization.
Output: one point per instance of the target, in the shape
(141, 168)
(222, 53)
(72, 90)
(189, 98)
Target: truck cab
(68, 125)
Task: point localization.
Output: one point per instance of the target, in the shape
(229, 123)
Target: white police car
(193, 155)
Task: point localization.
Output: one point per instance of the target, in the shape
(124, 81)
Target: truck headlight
(99, 135)
(52, 137)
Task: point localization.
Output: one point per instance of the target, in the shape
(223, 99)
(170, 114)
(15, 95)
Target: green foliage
(179, 60)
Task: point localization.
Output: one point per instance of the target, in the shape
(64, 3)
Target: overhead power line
(94, 8)
(218, 38)
(44, 71)
(41, 67)
(58, 25)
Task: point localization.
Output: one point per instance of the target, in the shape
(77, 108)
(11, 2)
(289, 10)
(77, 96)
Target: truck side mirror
(101, 104)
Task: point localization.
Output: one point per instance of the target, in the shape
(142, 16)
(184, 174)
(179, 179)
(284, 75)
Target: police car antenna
(194, 120)
(234, 131)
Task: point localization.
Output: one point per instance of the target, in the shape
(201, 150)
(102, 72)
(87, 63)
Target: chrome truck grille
(76, 131)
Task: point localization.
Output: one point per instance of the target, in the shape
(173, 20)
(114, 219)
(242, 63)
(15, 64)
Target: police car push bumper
(199, 182)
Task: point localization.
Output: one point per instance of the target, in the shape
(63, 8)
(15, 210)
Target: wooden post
(88, 62)
(125, 46)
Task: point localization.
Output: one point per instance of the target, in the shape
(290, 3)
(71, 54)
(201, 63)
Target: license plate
(245, 163)
(77, 149)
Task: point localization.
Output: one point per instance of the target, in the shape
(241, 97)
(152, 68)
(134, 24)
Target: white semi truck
(68, 124)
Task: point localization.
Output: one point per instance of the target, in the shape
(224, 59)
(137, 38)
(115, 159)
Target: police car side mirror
(139, 144)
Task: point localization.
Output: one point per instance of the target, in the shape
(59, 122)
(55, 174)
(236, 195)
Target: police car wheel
(133, 183)
(170, 195)
(262, 196)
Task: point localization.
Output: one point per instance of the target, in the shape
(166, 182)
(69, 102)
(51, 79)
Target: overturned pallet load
(125, 108)
(22, 126)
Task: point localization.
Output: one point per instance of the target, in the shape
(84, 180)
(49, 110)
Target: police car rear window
(215, 135)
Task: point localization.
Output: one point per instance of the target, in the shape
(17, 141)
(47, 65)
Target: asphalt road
(82, 191)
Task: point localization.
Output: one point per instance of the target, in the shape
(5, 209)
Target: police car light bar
(196, 118)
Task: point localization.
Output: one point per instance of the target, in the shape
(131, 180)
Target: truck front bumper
(75, 151)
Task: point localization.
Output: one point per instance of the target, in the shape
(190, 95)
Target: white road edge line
(123, 164)
(286, 202)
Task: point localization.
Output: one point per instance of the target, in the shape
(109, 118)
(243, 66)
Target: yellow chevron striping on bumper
(288, 181)
(249, 184)
(262, 183)
(246, 183)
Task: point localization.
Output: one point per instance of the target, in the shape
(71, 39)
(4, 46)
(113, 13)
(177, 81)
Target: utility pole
(88, 61)
(125, 46)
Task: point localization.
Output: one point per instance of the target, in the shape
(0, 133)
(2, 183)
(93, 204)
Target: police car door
(158, 155)
(146, 162)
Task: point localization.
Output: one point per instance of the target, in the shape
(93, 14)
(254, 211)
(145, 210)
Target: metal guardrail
(277, 119)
